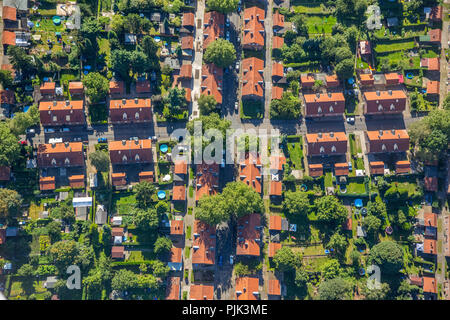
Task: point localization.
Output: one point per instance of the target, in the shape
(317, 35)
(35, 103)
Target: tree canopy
(221, 52)
(334, 289)
(10, 202)
(296, 203)
(100, 160)
(287, 260)
(207, 104)
(330, 210)
(388, 255)
(96, 85)
(224, 6)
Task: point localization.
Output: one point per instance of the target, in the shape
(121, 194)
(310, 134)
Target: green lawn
(18, 291)
(355, 188)
(395, 46)
(328, 179)
(295, 152)
(352, 144)
(123, 203)
(188, 232)
(98, 113)
(320, 25)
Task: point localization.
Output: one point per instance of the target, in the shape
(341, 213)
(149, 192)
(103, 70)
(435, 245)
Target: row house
(130, 151)
(435, 14)
(47, 183)
(326, 144)
(173, 288)
(247, 288)
(433, 37)
(376, 168)
(254, 33)
(64, 154)
(179, 178)
(278, 22)
(384, 102)
(277, 42)
(252, 78)
(213, 28)
(274, 289)
(48, 89)
(212, 79)
(76, 88)
(308, 80)
(250, 171)
(431, 64)
(175, 259)
(143, 86)
(402, 167)
(277, 72)
(433, 89)
(187, 45)
(59, 113)
(201, 292)
(188, 21)
(9, 16)
(207, 180)
(385, 141)
(276, 171)
(148, 176)
(277, 92)
(204, 244)
(130, 111)
(324, 104)
(249, 235)
(315, 170)
(116, 88)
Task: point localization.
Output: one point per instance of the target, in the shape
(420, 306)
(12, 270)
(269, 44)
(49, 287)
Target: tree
(146, 220)
(221, 52)
(334, 289)
(9, 148)
(377, 208)
(100, 160)
(446, 103)
(207, 104)
(124, 280)
(338, 243)
(147, 281)
(144, 192)
(388, 255)
(343, 53)
(224, 6)
(407, 291)
(162, 245)
(296, 203)
(6, 79)
(330, 210)
(20, 60)
(211, 121)
(24, 120)
(288, 107)
(64, 212)
(372, 224)
(301, 278)
(120, 62)
(345, 68)
(10, 202)
(241, 199)
(210, 209)
(174, 101)
(150, 48)
(160, 269)
(331, 269)
(138, 61)
(66, 253)
(26, 270)
(376, 294)
(286, 260)
(162, 207)
(300, 23)
(97, 86)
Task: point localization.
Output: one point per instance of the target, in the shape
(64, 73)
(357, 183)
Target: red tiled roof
(48, 88)
(76, 87)
(387, 141)
(319, 104)
(402, 167)
(250, 171)
(278, 20)
(187, 43)
(429, 285)
(247, 288)
(175, 255)
(275, 222)
(273, 248)
(307, 80)
(47, 183)
(207, 180)
(277, 70)
(119, 179)
(212, 77)
(431, 184)
(248, 233)
(315, 170)
(376, 167)
(204, 243)
(60, 154)
(435, 35)
(143, 86)
(76, 181)
(432, 64)
(117, 252)
(116, 87)
(201, 292)
(332, 81)
(213, 27)
(415, 280)
(180, 167)
(186, 71)
(341, 169)
(326, 143)
(433, 87)
(179, 193)
(130, 151)
(146, 176)
(392, 78)
(277, 162)
(436, 13)
(253, 28)
(366, 79)
(276, 188)
(274, 287)
(391, 101)
(62, 112)
(188, 19)
(252, 79)
(9, 13)
(9, 38)
(176, 227)
(430, 246)
(277, 42)
(117, 232)
(173, 288)
(430, 219)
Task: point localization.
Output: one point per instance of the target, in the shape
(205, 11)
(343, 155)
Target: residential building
(277, 42)
(392, 78)
(204, 244)
(118, 252)
(247, 288)
(332, 81)
(254, 34)
(187, 45)
(273, 248)
(130, 111)
(277, 92)
(47, 183)
(146, 176)
(173, 288)
(175, 262)
(431, 64)
(384, 102)
(341, 169)
(315, 170)
(402, 167)
(252, 78)
(212, 78)
(250, 171)
(385, 141)
(130, 151)
(64, 154)
(201, 292)
(376, 167)
(307, 80)
(324, 104)
(366, 79)
(277, 71)
(76, 88)
(274, 288)
(119, 179)
(77, 181)
(59, 113)
(207, 180)
(213, 28)
(433, 37)
(330, 143)
(143, 86)
(278, 21)
(116, 88)
(179, 193)
(249, 235)
(47, 88)
(188, 21)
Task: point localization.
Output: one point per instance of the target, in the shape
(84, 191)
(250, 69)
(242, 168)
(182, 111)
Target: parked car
(227, 22)
(231, 259)
(351, 119)
(236, 106)
(23, 142)
(102, 140)
(350, 166)
(220, 261)
(227, 36)
(65, 130)
(237, 65)
(49, 130)
(31, 131)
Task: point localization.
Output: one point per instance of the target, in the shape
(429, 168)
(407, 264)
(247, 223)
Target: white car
(49, 130)
(31, 131)
(351, 119)
(237, 65)
(236, 106)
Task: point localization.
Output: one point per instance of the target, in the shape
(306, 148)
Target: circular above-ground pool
(358, 203)
(389, 230)
(303, 187)
(351, 81)
(161, 194)
(409, 75)
(364, 211)
(362, 272)
(56, 20)
(164, 148)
